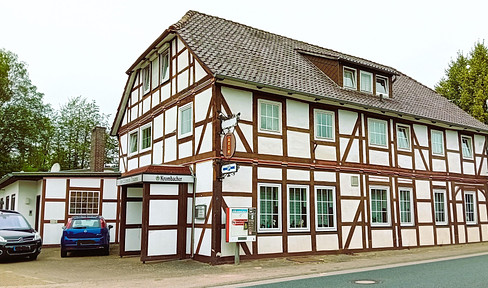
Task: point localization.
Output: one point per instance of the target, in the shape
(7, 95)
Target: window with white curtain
(366, 82)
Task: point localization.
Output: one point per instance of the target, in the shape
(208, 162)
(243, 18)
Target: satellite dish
(56, 167)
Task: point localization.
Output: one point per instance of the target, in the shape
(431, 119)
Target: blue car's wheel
(64, 253)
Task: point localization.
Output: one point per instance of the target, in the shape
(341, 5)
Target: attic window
(164, 66)
(381, 85)
(146, 80)
(349, 78)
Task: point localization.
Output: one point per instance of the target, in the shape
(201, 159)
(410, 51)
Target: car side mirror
(110, 226)
(64, 227)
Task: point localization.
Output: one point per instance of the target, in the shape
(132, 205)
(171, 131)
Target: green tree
(25, 124)
(466, 82)
(5, 92)
(73, 127)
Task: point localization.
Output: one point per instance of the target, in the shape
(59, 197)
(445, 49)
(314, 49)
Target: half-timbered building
(337, 153)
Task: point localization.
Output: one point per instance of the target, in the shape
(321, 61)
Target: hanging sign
(241, 224)
(229, 145)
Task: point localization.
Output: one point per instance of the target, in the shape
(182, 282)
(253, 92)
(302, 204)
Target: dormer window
(381, 85)
(349, 78)
(366, 82)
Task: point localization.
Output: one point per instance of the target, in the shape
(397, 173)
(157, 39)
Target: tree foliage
(73, 127)
(24, 119)
(33, 136)
(466, 82)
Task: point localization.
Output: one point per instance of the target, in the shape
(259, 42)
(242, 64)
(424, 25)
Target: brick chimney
(97, 157)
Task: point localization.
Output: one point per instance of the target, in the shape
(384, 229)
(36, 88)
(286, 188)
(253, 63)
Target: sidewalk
(50, 270)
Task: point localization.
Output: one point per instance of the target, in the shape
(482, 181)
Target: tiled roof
(237, 51)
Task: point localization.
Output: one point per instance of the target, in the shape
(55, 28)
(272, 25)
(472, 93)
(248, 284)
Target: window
(269, 116)
(269, 208)
(366, 82)
(470, 207)
(325, 215)
(437, 139)
(380, 206)
(146, 137)
(406, 206)
(377, 132)
(146, 80)
(133, 142)
(440, 207)
(12, 205)
(349, 78)
(382, 86)
(324, 124)
(467, 147)
(1, 203)
(7, 202)
(83, 202)
(155, 70)
(164, 66)
(403, 137)
(298, 208)
(185, 118)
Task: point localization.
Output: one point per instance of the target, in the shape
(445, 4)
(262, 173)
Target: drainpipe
(193, 213)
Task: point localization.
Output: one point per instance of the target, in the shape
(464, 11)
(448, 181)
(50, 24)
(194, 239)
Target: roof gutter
(316, 98)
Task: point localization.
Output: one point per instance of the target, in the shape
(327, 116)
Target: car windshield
(85, 223)
(13, 222)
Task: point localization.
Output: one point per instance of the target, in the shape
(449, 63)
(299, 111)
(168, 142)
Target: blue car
(86, 233)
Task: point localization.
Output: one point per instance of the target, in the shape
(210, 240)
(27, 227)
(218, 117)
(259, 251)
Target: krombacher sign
(155, 178)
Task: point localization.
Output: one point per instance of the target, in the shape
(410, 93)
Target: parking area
(92, 270)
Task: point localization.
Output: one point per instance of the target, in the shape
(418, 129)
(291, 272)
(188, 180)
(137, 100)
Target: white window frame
(474, 221)
(355, 78)
(410, 193)
(267, 230)
(164, 76)
(307, 193)
(280, 116)
(146, 70)
(370, 122)
(334, 210)
(387, 86)
(316, 112)
(361, 81)
(446, 215)
(180, 118)
(83, 191)
(155, 72)
(141, 135)
(469, 143)
(129, 152)
(432, 132)
(388, 208)
(409, 140)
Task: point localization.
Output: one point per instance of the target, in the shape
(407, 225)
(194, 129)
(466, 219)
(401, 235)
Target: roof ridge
(184, 19)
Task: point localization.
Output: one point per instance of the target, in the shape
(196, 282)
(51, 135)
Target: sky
(75, 48)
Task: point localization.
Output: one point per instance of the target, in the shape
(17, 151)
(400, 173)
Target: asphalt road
(465, 272)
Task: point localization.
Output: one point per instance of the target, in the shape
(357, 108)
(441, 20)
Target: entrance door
(38, 212)
(164, 221)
